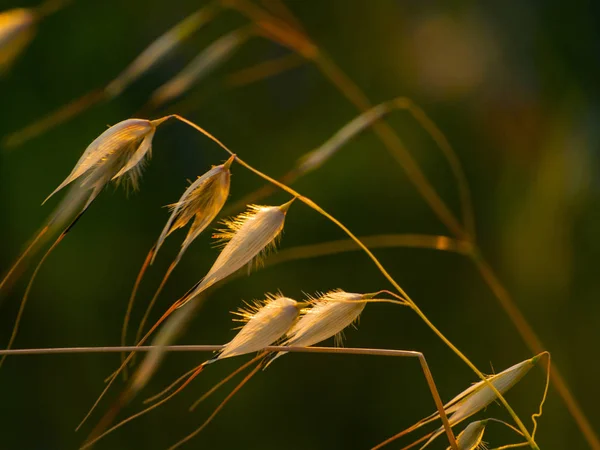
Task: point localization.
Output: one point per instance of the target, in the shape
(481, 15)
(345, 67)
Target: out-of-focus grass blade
(160, 48)
(216, 53)
(151, 56)
(17, 28)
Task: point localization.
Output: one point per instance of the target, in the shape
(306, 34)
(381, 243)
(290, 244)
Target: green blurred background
(514, 87)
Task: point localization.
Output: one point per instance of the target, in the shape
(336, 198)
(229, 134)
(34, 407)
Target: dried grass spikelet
(328, 316)
(17, 28)
(480, 395)
(118, 151)
(202, 201)
(216, 53)
(248, 236)
(471, 438)
(266, 322)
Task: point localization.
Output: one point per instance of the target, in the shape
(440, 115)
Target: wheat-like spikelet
(202, 201)
(248, 236)
(118, 151)
(480, 395)
(471, 438)
(329, 315)
(17, 28)
(266, 322)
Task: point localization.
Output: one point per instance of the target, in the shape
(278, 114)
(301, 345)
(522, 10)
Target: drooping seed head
(329, 315)
(118, 151)
(17, 28)
(202, 201)
(480, 395)
(250, 235)
(471, 438)
(266, 323)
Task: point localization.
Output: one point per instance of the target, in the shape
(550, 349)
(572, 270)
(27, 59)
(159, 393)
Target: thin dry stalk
(218, 408)
(196, 348)
(15, 330)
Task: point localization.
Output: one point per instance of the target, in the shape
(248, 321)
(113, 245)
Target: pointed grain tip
(157, 122)
(227, 164)
(283, 208)
(536, 358)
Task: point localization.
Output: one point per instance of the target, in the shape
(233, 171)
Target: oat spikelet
(329, 316)
(471, 438)
(17, 28)
(248, 236)
(479, 395)
(118, 151)
(266, 322)
(202, 201)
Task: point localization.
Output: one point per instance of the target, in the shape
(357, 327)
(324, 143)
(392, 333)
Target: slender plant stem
(212, 348)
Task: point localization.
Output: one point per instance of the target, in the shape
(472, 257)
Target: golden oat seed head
(330, 314)
(249, 235)
(480, 395)
(119, 150)
(471, 438)
(265, 325)
(201, 201)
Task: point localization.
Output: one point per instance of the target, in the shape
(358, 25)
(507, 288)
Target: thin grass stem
(225, 380)
(218, 408)
(195, 373)
(15, 330)
(130, 303)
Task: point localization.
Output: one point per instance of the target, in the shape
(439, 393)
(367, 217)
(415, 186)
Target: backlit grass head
(120, 150)
(201, 201)
(248, 236)
(329, 315)
(265, 323)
